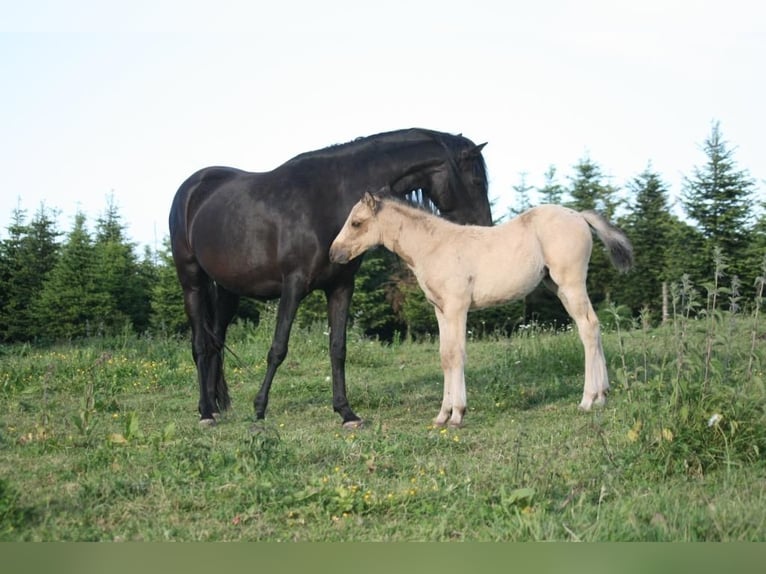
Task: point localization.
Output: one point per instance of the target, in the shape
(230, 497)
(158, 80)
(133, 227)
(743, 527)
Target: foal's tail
(617, 243)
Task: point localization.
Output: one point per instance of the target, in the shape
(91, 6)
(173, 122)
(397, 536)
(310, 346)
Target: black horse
(267, 235)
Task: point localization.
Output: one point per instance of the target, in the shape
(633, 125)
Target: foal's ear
(371, 201)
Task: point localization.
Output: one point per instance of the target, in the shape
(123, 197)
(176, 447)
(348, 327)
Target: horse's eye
(356, 224)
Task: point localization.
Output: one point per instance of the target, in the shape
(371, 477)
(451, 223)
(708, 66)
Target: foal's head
(359, 233)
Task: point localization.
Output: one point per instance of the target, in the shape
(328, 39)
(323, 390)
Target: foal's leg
(575, 299)
(452, 327)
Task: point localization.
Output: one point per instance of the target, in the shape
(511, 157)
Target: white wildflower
(714, 420)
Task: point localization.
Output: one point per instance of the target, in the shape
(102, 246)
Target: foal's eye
(356, 224)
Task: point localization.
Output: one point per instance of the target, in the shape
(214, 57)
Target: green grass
(100, 441)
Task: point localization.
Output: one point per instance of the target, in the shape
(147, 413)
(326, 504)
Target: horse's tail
(615, 240)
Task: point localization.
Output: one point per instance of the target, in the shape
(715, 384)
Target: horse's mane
(453, 143)
(412, 210)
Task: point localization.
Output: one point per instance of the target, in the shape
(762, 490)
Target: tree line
(58, 286)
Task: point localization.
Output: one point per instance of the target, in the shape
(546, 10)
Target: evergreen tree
(719, 199)
(27, 257)
(657, 236)
(523, 200)
(167, 300)
(551, 191)
(119, 273)
(372, 307)
(72, 303)
(757, 249)
(588, 191)
(11, 264)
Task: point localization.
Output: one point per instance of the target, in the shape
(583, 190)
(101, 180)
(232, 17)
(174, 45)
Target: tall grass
(99, 440)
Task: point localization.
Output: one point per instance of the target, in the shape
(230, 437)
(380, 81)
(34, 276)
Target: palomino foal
(470, 267)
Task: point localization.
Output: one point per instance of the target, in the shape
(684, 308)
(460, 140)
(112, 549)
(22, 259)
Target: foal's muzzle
(338, 254)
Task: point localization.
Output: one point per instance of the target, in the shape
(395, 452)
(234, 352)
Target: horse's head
(359, 233)
(451, 172)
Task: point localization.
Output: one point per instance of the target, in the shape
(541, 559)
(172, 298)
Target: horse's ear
(472, 153)
(476, 150)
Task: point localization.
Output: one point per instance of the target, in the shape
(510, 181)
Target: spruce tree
(551, 191)
(371, 306)
(718, 198)
(167, 302)
(27, 257)
(522, 198)
(588, 190)
(11, 265)
(660, 243)
(72, 303)
(119, 273)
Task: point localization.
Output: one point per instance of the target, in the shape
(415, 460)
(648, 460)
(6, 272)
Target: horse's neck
(406, 231)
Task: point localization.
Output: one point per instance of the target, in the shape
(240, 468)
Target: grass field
(100, 441)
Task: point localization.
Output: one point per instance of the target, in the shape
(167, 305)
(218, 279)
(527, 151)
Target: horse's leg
(577, 303)
(452, 325)
(338, 301)
(198, 309)
(226, 304)
(293, 291)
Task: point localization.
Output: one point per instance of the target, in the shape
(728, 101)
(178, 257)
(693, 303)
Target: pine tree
(371, 307)
(588, 191)
(167, 301)
(658, 237)
(28, 256)
(119, 273)
(71, 302)
(523, 201)
(719, 199)
(11, 265)
(551, 191)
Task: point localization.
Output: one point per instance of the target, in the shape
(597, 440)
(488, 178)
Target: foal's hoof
(353, 425)
(588, 402)
(207, 423)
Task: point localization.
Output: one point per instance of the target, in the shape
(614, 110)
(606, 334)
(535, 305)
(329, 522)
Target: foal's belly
(503, 284)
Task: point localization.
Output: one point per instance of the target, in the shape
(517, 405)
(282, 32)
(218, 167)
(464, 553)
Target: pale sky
(129, 98)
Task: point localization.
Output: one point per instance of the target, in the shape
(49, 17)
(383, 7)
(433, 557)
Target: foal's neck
(407, 230)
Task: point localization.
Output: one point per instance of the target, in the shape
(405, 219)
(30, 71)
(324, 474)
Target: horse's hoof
(207, 423)
(258, 427)
(352, 425)
(455, 425)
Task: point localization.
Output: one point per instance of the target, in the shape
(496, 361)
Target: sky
(124, 100)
